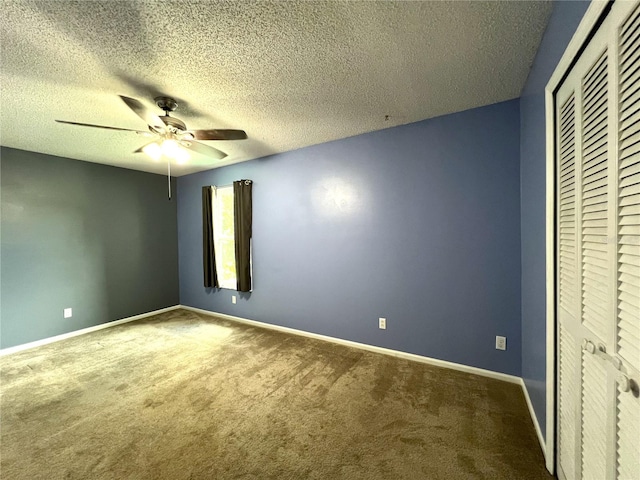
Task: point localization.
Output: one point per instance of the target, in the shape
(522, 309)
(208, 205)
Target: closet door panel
(628, 271)
(627, 433)
(596, 274)
(569, 287)
(594, 422)
(568, 404)
(597, 250)
(598, 254)
(628, 251)
(567, 254)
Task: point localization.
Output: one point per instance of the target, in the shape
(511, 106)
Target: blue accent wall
(564, 21)
(419, 224)
(101, 240)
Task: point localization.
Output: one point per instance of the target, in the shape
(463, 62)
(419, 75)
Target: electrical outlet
(233, 299)
(382, 323)
(68, 313)
(501, 343)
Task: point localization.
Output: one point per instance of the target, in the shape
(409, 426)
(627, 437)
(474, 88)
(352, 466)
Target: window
(224, 236)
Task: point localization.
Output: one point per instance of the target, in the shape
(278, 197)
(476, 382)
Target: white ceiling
(290, 73)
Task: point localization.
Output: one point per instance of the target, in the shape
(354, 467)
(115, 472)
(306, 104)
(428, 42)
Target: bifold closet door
(584, 258)
(598, 254)
(627, 335)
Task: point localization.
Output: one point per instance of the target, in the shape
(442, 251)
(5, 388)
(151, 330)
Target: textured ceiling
(290, 73)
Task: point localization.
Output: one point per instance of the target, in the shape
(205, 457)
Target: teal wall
(98, 239)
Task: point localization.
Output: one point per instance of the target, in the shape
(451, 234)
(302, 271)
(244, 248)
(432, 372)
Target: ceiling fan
(173, 139)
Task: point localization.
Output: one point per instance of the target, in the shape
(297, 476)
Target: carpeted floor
(187, 396)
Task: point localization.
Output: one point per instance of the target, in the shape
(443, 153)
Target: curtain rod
(245, 180)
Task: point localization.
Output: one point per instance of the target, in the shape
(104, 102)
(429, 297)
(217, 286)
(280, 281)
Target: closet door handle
(601, 351)
(588, 346)
(624, 384)
(615, 361)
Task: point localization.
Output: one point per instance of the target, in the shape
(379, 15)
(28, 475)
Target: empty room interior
(320, 240)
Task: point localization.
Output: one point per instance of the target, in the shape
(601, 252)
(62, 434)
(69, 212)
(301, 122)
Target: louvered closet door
(627, 335)
(598, 255)
(569, 288)
(597, 249)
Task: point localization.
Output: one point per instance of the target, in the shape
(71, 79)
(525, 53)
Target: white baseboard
(363, 346)
(396, 353)
(75, 333)
(536, 424)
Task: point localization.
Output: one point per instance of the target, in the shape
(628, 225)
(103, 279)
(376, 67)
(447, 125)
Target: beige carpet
(186, 396)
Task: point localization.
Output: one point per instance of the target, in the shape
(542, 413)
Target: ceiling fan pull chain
(169, 176)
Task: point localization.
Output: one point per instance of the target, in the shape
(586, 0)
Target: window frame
(221, 238)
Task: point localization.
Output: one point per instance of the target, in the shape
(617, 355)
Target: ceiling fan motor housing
(167, 104)
(174, 124)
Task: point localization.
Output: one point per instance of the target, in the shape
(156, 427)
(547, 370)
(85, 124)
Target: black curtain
(208, 251)
(242, 212)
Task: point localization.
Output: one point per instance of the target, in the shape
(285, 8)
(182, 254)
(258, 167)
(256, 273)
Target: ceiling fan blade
(202, 149)
(214, 134)
(102, 126)
(144, 113)
(141, 149)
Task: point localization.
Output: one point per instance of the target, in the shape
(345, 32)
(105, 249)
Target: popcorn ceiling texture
(291, 74)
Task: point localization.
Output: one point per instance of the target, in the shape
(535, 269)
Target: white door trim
(589, 21)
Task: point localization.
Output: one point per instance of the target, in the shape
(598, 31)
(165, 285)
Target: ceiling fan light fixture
(182, 157)
(172, 150)
(153, 150)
